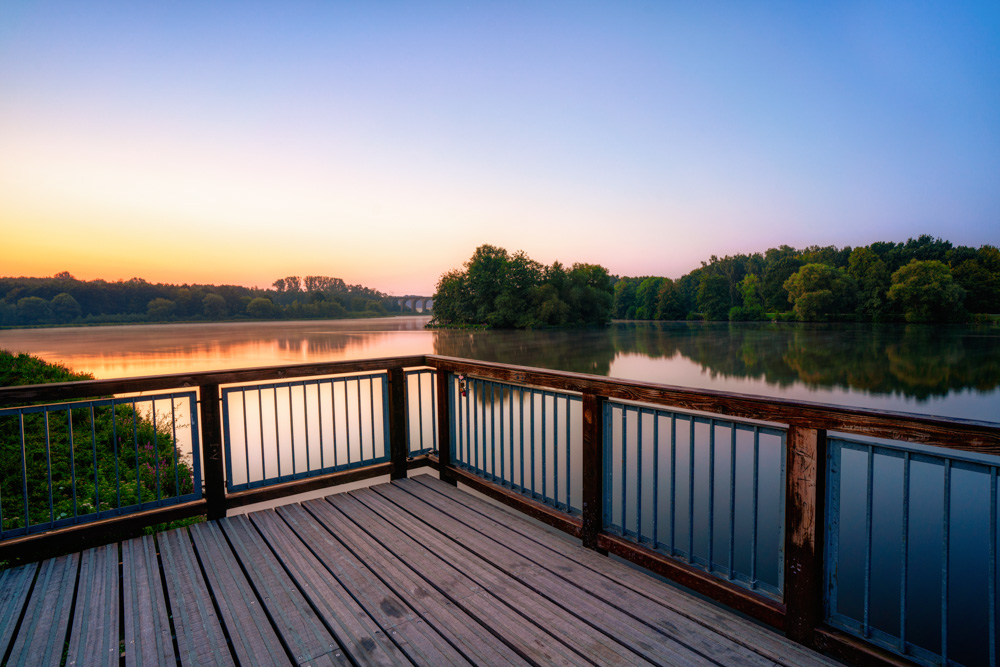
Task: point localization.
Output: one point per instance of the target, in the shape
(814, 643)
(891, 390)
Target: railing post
(398, 449)
(210, 414)
(805, 495)
(443, 389)
(593, 469)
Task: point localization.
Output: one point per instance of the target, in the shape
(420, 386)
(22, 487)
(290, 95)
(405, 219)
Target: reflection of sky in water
(682, 372)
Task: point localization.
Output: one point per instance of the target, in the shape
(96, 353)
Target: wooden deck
(410, 572)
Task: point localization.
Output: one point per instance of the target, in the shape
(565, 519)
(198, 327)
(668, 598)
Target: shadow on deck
(415, 571)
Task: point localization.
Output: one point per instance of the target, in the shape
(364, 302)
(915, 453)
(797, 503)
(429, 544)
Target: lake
(951, 371)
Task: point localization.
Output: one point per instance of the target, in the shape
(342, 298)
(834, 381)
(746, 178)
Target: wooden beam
(805, 492)
(763, 609)
(213, 463)
(277, 491)
(398, 448)
(593, 469)
(443, 389)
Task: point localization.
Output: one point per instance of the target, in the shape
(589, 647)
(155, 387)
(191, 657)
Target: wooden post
(210, 413)
(398, 449)
(443, 389)
(805, 495)
(593, 469)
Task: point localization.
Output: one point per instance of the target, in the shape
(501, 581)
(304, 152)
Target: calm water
(947, 371)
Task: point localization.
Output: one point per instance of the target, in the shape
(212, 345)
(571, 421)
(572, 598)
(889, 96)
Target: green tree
(214, 307)
(624, 298)
(752, 309)
(819, 290)
(872, 277)
(927, 292)
(32, 310)
(452, 299)
(160, 309)
(779, 267)
(262, 308)
(646, 297)
(713, 296)
(65, 308)
(670, 301)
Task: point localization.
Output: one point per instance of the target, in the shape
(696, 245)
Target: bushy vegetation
(117, 457)
(922, 280)
(62, 299)
(507, 291)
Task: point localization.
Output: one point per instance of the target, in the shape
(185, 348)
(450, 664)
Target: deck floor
(410, 572)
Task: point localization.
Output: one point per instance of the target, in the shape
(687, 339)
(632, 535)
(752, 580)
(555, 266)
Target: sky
(202, 141)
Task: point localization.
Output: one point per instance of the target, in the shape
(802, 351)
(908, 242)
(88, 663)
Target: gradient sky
(381, 142)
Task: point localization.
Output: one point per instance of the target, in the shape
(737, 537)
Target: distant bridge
(421, 304)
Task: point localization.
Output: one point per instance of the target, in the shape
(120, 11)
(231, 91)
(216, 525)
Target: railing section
(73, 463)
(281, 431)
(521, 438)
(911, 550)
(703, 490)
(421, 411)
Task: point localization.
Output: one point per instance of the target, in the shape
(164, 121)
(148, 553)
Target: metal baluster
(753, 531)
(569, 498)
(945, 534)
(173, 426)
(135, 446)
(690, 556)
(72, 458)
(638, 476)
(624, 464)
(544, 456)
(333, 419)
(371, 413)
(260, 421)
(531, 405)
(673, 480)
(991, 593)
(319, 411)
(711, 495)
(246, 436)
(24, 470)
(732, 502)
(656, 478)
(156, 449)
(904, 552)
(555, 449)
(866, 618)
(93, 448)
(277, 438)
(493, 431)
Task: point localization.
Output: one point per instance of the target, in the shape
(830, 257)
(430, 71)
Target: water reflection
(952, 371)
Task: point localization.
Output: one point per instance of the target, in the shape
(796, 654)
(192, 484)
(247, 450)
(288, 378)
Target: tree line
(922, 280)
(513, 291)
(62, 299)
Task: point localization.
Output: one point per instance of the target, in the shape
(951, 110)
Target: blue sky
(382, 142)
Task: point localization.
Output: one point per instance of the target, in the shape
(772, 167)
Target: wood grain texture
(147, 624)
(199, 634)
(14, 586)
(94, 635)
(253, 638)
(46, 619)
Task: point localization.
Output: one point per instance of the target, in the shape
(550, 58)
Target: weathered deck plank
(477, 643)
(200, 638)
(728, 626)
(94, 637)
(147, 624)
(253, 638)
(14, 586)
(294, 619)
(577, 598)
(413, 572)
(40, 639)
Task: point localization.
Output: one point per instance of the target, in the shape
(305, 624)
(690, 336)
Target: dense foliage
(62, 299)
(118, 455)
(922, 280)
(507, 291)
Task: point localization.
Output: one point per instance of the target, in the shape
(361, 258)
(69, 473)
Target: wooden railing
(799, 608)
